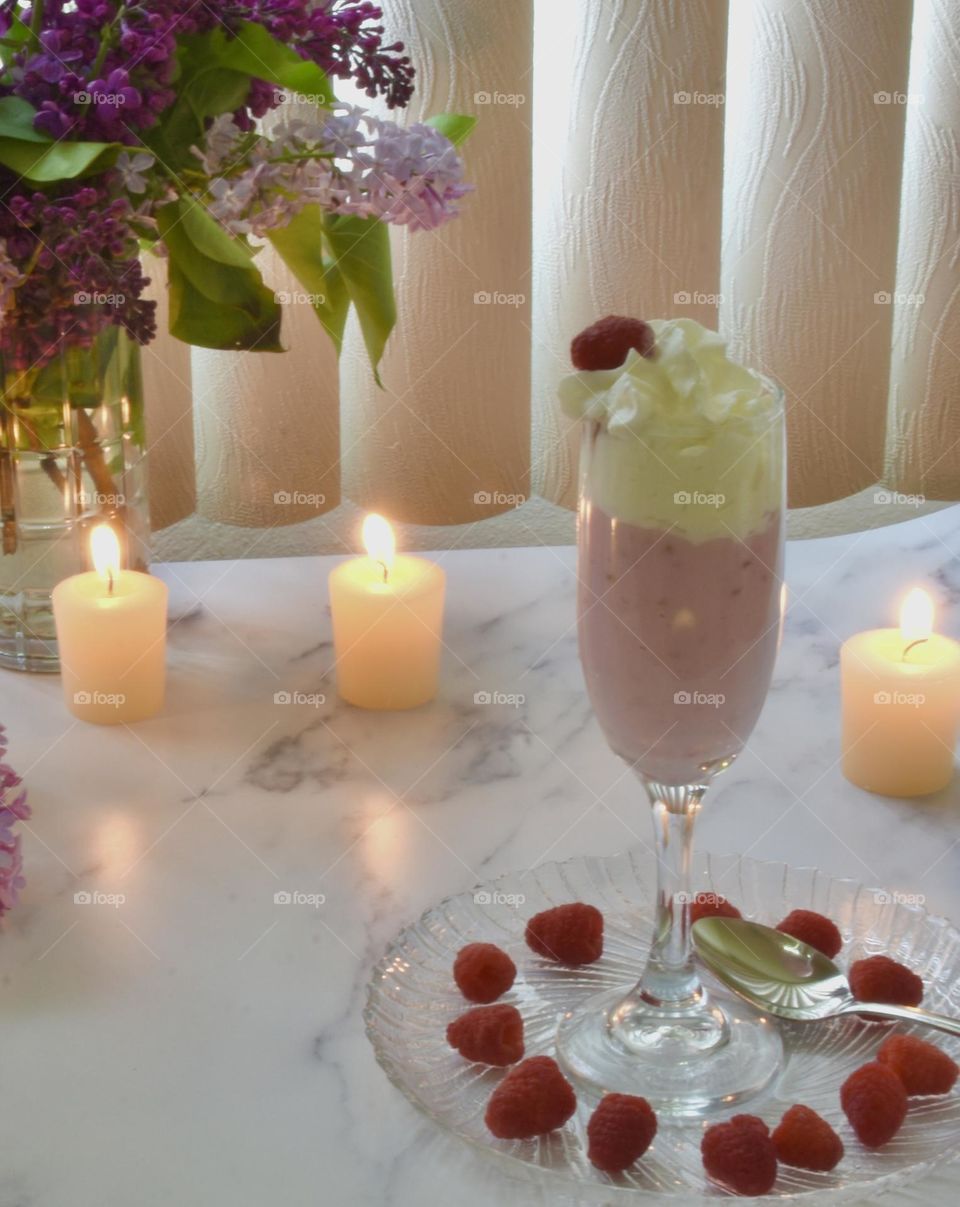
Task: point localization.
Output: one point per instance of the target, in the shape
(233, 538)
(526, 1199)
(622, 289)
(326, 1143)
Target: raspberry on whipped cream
(701, 412)
(605, 344)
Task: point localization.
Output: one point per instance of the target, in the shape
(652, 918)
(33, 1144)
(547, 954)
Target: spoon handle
(908, 1014)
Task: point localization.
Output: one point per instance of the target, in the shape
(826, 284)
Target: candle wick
(109, 582)
(386, 571)
(919, 641)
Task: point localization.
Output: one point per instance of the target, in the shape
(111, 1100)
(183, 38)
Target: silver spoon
(788, 978)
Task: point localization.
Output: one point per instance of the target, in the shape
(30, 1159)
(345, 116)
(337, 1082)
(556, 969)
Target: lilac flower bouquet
(167, 125)
(131, 124)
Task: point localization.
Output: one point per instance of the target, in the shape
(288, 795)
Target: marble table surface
(173, 1035)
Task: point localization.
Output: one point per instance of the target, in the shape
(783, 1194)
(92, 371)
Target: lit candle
(111, 633)
(387, 623)
(901, 704)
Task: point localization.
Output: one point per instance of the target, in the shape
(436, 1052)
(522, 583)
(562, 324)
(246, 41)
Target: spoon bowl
(790, 979)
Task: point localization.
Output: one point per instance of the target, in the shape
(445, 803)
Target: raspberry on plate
(814, 929)
(534, 1098)
(711, 905)
(807, 1141)
(483, 972)
(605, 344)
(740, 1155)
(751, 1122)
(569, 934)
(880, 979)
(491, 1035)
(922, 1067)
(620, 1131)
(875, 1102)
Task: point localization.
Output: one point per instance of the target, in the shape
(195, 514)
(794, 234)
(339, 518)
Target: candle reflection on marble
(387, 624)
(901, 704)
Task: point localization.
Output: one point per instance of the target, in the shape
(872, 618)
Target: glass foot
(685, 1065)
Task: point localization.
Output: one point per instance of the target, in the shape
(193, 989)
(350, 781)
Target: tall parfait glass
(680, 557)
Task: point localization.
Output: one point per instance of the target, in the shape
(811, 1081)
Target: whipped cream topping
(691, 382)
(688, 439)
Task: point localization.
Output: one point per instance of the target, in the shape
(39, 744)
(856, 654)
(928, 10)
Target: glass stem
(670, 980)
(668, 1015)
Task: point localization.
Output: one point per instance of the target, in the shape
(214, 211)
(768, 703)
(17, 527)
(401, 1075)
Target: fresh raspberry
(605, 345)
(490, 1035)
(875, 1102)
(483, 972)
(753, 1122)
(813, 928)
(570, 934)
(922, 1067)
(534, 1098)
(740, 1155)
(620, 1131)
(712, 905)
(807, 1141)
(880, 979)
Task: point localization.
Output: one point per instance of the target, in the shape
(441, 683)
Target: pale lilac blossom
(131, 169)
(13, 808)
(347, 162)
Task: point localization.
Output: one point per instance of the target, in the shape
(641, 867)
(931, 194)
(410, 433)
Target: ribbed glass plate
(412, 998)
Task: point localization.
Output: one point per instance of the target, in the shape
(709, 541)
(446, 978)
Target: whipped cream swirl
(688, 439)
(691, 382)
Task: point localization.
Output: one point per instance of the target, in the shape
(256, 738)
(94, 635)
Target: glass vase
(72, 455)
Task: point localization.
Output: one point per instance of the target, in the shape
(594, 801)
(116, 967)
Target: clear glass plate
(412, 998)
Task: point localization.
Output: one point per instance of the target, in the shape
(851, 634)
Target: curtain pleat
(629, 169)
(811, 201)
(447, 440)
(925, 382)
(267, 424)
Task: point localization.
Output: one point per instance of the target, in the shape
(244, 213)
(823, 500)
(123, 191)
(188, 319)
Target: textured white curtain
(783, 168)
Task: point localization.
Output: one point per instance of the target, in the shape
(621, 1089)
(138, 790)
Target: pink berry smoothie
(678, 638)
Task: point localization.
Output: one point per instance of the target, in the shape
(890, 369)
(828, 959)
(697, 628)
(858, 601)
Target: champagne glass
(680, 600)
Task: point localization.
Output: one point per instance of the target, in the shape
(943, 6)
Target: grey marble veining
(196, 1042)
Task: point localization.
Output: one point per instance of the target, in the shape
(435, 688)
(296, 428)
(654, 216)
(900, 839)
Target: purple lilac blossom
(79, 245)
(135, 80)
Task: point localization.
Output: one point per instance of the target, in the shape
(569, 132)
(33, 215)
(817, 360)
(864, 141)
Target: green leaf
(300, 245)
(13, 40)
(217, 296)
(260, 54)
(204, 91)
(16, 120)
(210, 238)
(214, 73)
(215, 91)
(456, 126)
(58, 161)
(361, 251)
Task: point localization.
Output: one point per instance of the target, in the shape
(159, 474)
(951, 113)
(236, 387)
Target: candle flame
(380, 542)
(105, 551)
(916, 616)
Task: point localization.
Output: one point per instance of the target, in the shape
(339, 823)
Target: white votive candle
(387, 624)
(111, 633)
(901, 705)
